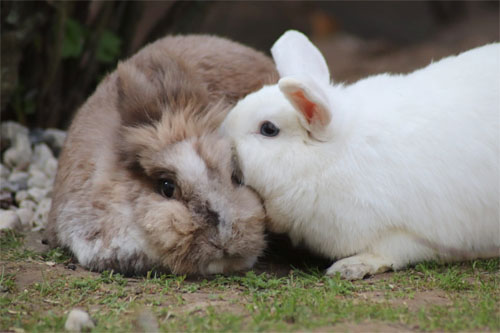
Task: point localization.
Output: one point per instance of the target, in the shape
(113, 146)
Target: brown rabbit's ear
(137, 96)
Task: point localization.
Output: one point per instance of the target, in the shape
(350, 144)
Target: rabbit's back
(420, 153)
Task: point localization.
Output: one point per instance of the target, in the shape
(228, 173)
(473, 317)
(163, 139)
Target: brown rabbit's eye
(269, 129)
(167, 187)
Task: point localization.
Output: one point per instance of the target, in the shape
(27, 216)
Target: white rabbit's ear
(294, 54)
(309, 100)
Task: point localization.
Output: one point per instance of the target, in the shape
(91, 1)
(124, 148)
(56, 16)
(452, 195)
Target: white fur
(289, 52)
(190, 165)
(186, 160)
(128, 240)
(410, 170)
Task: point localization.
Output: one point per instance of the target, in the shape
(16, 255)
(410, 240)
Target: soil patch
(365, 327)
(227, 301)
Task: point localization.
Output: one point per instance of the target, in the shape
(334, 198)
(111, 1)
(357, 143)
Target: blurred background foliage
(54, 53)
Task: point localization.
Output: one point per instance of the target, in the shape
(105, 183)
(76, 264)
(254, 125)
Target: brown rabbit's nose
(221, 248)
(212, 217)
(217, 245)
(208, 215)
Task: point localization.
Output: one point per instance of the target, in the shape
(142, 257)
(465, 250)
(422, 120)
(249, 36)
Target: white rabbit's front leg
(395, 251)
(360, 265)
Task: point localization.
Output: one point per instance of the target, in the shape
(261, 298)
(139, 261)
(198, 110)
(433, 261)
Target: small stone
(37, 194)
(55, 139)
(38, 179)
(18, 176)
(6, 186)
(28, 204)
(4, 172)
(42, 212)
(9, 220)
(43, 159)
(8, 131)
(5, 199)
(19, 179)
(78, 320)
(12, 187)
(18, 156)
(51, 168)
(146, 321)
(21, 196)
(25, 216)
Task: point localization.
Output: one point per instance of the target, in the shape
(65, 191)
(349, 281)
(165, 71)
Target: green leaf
(108, 48)
(74, 37)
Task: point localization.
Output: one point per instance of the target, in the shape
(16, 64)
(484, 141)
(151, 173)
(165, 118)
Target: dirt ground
(230, 299)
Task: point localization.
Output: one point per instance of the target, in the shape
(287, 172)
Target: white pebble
(9, 220)
(4, 172)
(42, 212)
(18, 156)
(21, 196)
(146, 322)
(25, 216)
(54, 138)
(78, 320)
(19, 179)
(9, 129)
(18, 176)
(38, 179)
(51, 168)
(37, 194)
(43, 159)
(28, 204)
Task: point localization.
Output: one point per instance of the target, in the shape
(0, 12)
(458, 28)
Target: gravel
(27, 172)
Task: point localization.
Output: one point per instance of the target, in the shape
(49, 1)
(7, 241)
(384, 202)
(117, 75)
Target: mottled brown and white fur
(155, 118)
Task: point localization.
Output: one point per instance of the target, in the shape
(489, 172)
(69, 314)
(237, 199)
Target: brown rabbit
(145, 180)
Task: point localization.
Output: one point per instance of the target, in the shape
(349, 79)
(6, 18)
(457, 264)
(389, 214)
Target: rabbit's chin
(226, 265)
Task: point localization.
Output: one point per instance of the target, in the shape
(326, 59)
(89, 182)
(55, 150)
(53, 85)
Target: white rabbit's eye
(167, 187)
(269, 129)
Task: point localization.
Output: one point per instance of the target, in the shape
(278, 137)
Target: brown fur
(157, 115)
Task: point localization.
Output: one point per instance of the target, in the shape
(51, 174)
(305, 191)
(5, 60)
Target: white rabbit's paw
(350, 272)
(359, 266)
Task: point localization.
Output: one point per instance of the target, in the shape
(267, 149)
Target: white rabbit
(386, 172)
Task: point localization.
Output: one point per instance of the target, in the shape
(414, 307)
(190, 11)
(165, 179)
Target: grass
(38, 290)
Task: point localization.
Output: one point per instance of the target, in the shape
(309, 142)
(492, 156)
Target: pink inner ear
(306, 106)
